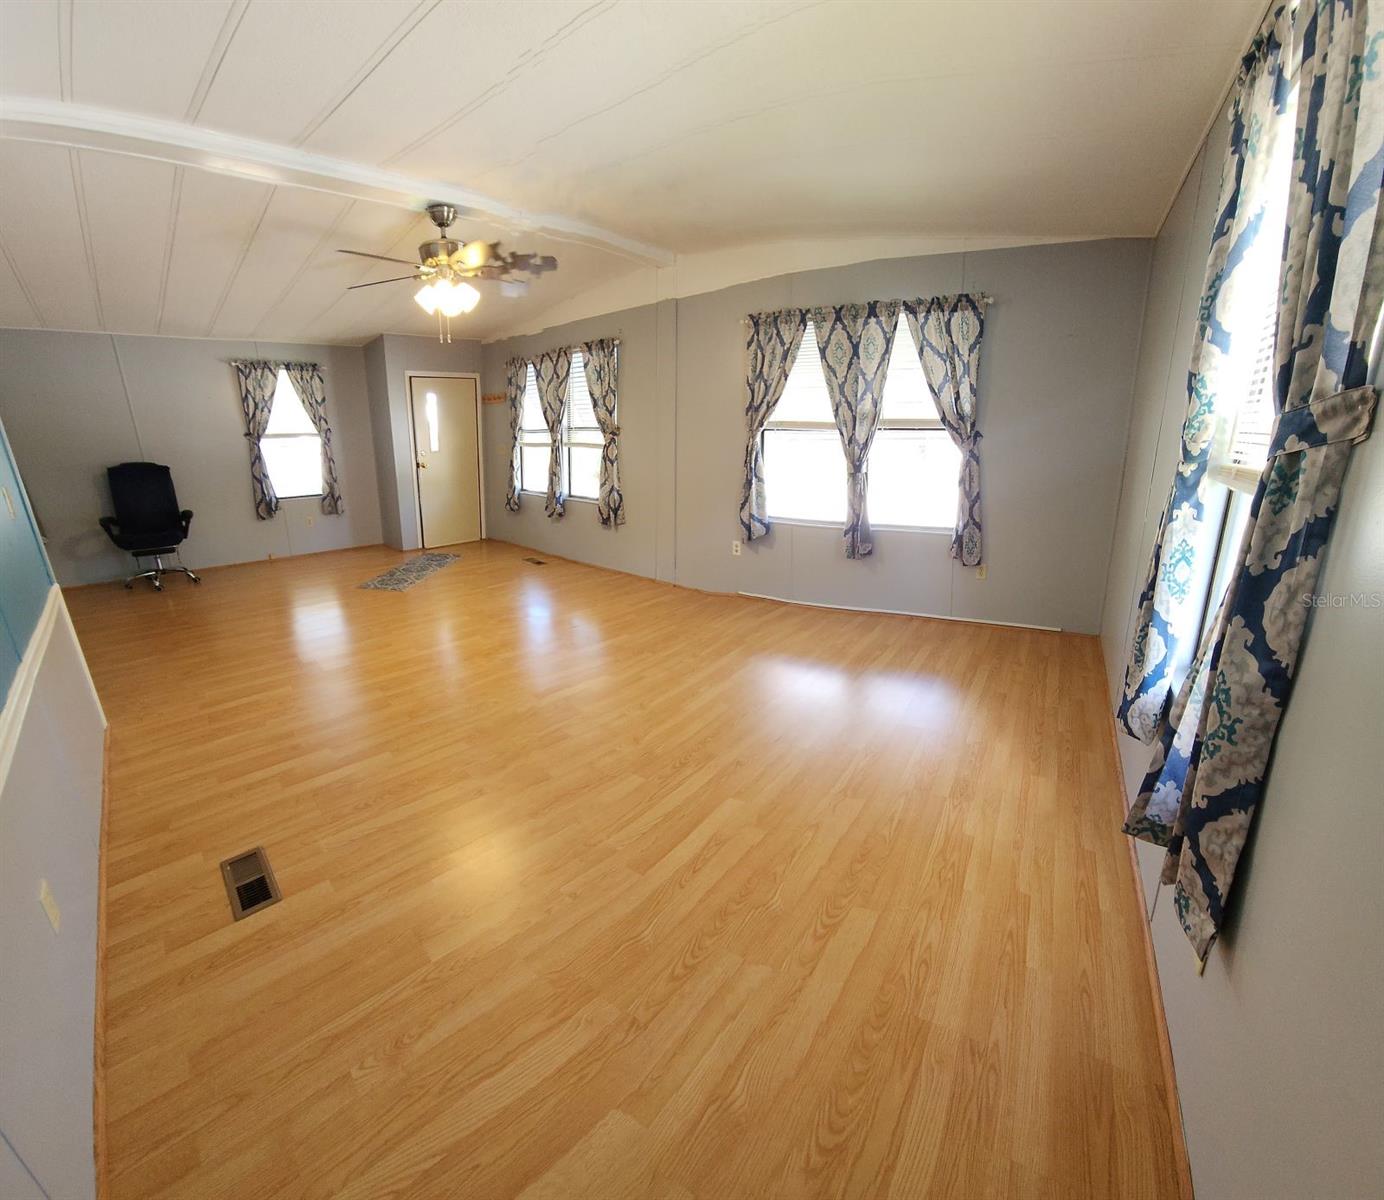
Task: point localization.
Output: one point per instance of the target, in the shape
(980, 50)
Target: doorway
(446, 458)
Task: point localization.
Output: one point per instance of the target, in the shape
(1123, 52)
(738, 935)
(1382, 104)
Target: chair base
(156, 573)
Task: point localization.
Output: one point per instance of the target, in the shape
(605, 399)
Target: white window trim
(875, 526)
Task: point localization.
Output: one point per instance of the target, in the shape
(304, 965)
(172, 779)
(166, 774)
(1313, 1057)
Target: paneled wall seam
(129, 403)
(19, 1158)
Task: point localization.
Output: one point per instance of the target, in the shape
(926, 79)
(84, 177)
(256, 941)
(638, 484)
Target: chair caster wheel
(128, 585)
(158, 587)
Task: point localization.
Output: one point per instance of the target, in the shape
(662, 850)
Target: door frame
(409, 377)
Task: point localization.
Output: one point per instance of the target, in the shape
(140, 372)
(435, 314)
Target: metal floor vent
(537, 562)
(250, 884)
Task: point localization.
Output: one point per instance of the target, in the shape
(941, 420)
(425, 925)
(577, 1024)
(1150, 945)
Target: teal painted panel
(9, 660)
(24, 574)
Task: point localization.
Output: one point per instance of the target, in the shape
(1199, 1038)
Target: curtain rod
(979, 297)
(571, 346)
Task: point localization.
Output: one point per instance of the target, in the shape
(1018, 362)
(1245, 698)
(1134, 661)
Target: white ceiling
(691, 126)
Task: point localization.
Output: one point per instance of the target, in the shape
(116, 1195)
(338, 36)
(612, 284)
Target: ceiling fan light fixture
(426, 298)
(455, 298)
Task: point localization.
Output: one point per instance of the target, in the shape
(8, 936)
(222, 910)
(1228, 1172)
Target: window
(1244, 383)
(582, 442)
(914, 467)
(534, 444)
(1242, 439)
(291, 446)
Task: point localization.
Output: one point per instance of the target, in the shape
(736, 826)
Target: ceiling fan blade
(396, 279)
(381, 257)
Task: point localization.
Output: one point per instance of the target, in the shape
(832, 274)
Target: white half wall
(50, 830)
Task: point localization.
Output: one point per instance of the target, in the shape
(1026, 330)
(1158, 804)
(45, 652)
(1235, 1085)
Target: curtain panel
(516, 378)
(307, 381)
(1208, 774)
(947, 331)
(1172, 601)
(553, 370)
(601, 360)
(257, 381)
(854, 341)
(770, 347)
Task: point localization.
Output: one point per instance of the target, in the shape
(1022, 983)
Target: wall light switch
(735, 547)
(50, 905)
(982, 571)
(311, 518)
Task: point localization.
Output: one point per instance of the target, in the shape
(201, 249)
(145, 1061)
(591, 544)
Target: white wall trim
(90, 127)
(22, 686)
(898, 612)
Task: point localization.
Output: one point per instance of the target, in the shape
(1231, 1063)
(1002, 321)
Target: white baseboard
(898, 612)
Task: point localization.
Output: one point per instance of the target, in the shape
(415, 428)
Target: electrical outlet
(311, 519)
(982, 571)
(735, 547)
(50, 905)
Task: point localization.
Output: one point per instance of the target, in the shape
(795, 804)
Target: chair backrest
(144, 499)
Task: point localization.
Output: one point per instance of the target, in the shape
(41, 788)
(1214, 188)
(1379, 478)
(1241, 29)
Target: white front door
(446, 455)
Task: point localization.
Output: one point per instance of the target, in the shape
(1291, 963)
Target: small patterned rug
(406, 574)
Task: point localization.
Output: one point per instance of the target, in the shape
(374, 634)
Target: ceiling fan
(445, 265)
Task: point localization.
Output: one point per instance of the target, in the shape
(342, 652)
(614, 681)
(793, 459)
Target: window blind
(1245, 451)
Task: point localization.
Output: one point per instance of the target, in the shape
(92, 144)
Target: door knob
(422, 466)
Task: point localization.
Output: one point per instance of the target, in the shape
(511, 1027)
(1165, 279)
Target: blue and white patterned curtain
(854, 341)
(1208, 773)
(771, 345)
(307, 381)
(946, 333)
(602, 363)
(257, 381)
(553, 370)
(516, 379)
(1173, 598)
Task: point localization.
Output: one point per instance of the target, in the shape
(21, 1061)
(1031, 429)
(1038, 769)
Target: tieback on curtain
(1340, 417)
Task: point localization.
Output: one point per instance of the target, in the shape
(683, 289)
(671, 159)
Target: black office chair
(148, 522)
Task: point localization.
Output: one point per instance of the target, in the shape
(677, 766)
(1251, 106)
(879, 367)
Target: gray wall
(74, 403)
(1059, 354)
(388, 359)
(644, 544)
(1279, 1047)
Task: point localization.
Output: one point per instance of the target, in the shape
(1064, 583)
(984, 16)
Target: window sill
(875, 528)
(565, 499)
(304, 496)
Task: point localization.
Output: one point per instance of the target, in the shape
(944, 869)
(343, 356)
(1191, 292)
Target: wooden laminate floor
(598, 887)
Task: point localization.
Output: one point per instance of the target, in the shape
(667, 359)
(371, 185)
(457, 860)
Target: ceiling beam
(91, 128)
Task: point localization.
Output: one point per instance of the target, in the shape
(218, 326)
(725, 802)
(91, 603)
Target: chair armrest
(186, 517)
